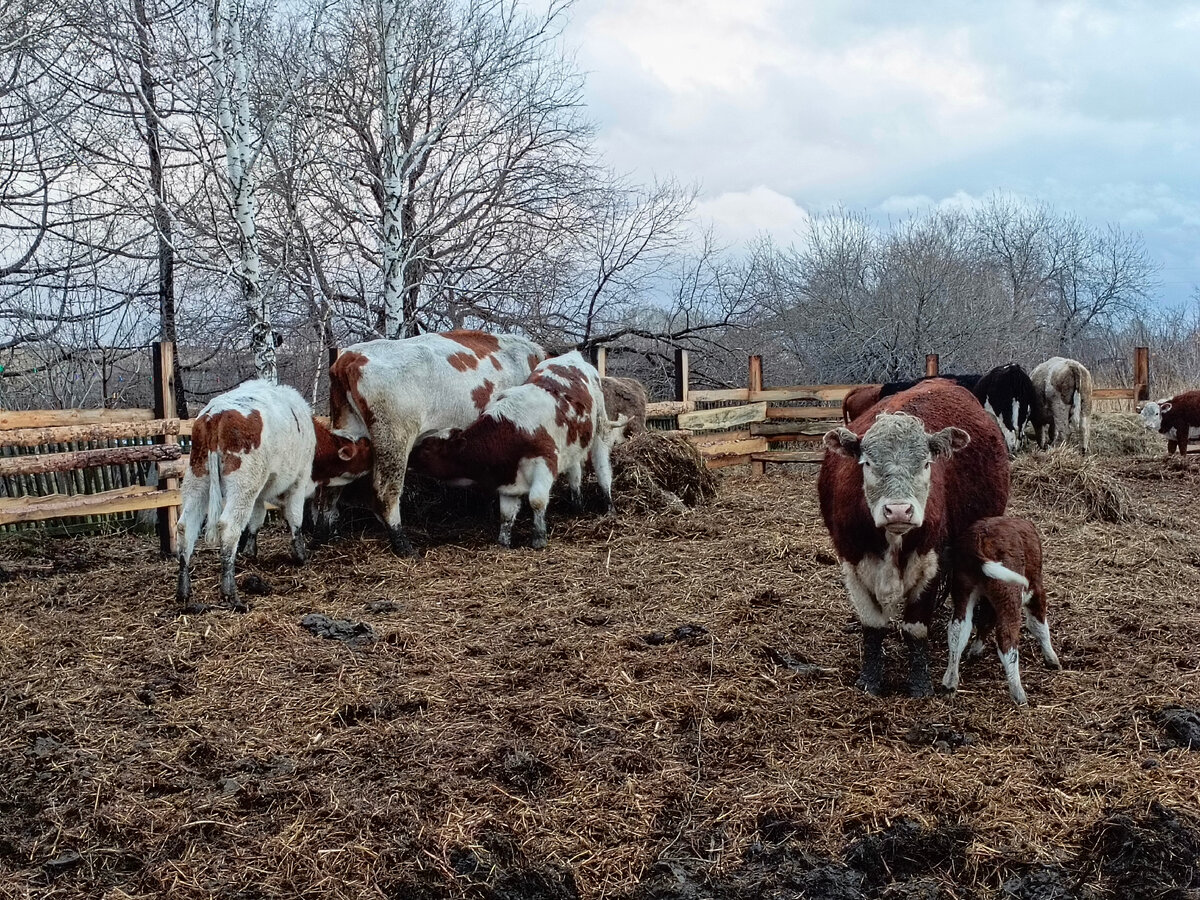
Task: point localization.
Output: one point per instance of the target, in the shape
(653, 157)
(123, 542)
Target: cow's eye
(928, 463)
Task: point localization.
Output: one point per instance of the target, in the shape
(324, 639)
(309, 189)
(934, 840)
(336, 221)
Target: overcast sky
(783, 108)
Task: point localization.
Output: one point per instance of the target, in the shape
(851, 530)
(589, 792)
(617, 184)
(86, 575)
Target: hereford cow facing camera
(997, 582)
(526, 437)
(625, 397)
(254, 445)
(1063, 388)
(923, 467)
(397, 392)
(1177, 418)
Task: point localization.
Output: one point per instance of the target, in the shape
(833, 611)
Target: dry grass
(1061, 478)
(512, 718)
(654, 472)
(1123, 434)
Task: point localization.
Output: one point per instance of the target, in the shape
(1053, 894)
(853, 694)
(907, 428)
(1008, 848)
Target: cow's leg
(293, 514)
(1085, 430)
(392, 447)
(191, 518)
(871, 677)
(958, 632)
(1060, 429)
(602, 464)
(1035, 621)
(539, 498)
(1171, 445)
(248, 543)
(325, 513)
(1184, 435)
(239, 507)
(575, 483)
(510, 506)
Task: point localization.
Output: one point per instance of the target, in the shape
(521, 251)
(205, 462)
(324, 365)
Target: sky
(782, 109)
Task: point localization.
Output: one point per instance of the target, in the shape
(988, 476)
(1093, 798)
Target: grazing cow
(398, 392)
(526, 437)
(1064, 395)
(254, 445)
(1177, 418)
(859, 400)
(997, 575)
(894, 491)
(625, 397)
(1007, 393)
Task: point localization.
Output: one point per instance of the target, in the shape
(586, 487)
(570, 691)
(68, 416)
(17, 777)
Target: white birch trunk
(393, 244)
(233, 121)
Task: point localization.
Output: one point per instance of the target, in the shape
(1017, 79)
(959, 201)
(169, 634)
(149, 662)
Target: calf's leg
(191, 517)
(602, 464)
(539, 499)
(248, 544)
(510, 506)
(293, 514)
(575, 483)
(239, 507)
(392, 447)
(1006, 600)
(1035, 621)
(958, 632)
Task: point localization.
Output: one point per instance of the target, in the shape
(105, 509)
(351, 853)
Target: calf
(920, 468)
(1177, 418)
(625, 397)
(1063, 389)
(398, 392)
(997, 574)
(254, 445)
(1007, 393)
(526, 437)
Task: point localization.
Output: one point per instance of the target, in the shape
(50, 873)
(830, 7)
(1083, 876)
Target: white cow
(1064, 393)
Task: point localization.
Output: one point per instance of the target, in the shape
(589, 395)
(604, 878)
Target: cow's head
(1152, 414)
(897, 455)
(340, 456)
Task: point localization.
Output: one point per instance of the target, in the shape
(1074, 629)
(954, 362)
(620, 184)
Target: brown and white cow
(1064, 394)
(625, 397)
(398, 392)
(997, 582)
(1176, 418)
(858, 401)
(918, 469)
(527, 436)
(254, 445)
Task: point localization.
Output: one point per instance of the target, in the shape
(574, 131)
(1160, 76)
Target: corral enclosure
(660, 705)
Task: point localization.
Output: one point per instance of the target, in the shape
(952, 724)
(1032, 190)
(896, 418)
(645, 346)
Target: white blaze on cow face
(1152, 415)
(897, 455)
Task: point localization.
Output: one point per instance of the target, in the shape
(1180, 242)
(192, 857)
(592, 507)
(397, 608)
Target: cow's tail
(215, 498)
(1001, 572)
(1077, 402)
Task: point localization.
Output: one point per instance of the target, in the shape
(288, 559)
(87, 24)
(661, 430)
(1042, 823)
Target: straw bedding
(512, 732)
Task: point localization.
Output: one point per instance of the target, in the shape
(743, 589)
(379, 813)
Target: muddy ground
(653, 707)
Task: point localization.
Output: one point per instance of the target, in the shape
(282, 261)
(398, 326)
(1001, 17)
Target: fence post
(755, 384)
(163, 354)
(931, 364)
(600, 359)
(1141, 374)
(334, 353)
(681, 375)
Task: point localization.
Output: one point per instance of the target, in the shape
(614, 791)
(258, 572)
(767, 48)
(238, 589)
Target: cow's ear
(1165, 407)
(347, 452)
(948, 441)
(844, 441)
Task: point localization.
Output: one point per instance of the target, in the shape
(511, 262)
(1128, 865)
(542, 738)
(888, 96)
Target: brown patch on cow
(482, 394)
(328, 462)
(488, 453)
(228, 432)
(344, 377)
(534, 361)
(479, 343)
(463, 361)
(572, 400)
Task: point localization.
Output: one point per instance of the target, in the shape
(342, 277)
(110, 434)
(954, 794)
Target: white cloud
(741, 216)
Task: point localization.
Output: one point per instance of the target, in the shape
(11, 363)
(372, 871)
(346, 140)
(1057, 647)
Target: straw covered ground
(657, 705)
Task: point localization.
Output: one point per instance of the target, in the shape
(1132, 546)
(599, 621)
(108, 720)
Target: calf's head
(897, 455)
(1152, 414)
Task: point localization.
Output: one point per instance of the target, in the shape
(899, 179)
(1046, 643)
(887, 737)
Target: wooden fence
(729, 427)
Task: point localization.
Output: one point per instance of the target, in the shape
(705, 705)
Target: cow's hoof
(402, 547)
(539, 542)
(920, 689)
(869, 686)
(236, 604)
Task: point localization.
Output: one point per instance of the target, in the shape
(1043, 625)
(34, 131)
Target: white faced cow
(1176, 418)
(527, 436)
(398, 392)
(254, 445)
(894, 491)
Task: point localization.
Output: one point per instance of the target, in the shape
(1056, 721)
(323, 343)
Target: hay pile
(1123, 434)
(655, 472)
(1061, 479)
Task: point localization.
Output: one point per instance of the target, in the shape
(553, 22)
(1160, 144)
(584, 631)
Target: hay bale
(1064, 480)
(653, 472)
(1123, 434)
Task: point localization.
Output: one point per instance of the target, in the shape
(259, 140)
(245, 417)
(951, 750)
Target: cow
(1177, 418)
(1007, 393)
(625, 397)
(967, 380)
(526, 437)
(858, 400)
(398, 392)
(1064, 395)
(254, 445)
(997, 582)
(894, 488)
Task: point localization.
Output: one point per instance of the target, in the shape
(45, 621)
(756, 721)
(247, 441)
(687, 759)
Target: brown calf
(997, 574)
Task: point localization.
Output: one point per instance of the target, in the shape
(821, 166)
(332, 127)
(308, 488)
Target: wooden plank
(63, 434)
(665, 409)
(719, 396)
(1114, 394)
(734, 448)
(783, 429)
(720, 462)
(828, 413)
(814, 392)
(789, 456)
(49, 418)
(55, 506)
(30, 464)
(717, 437)
(173, 468)
(726, 417)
